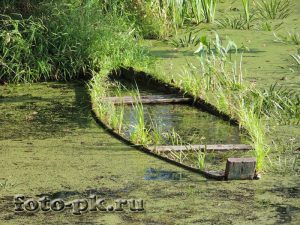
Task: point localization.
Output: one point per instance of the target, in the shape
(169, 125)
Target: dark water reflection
(192, 125)
(156, 174)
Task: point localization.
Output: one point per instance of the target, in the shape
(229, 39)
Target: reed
(140, 134)
(201, 159)
(197, 11)
(67, 42)
(246, 6)
(209, 10)
(256, 129)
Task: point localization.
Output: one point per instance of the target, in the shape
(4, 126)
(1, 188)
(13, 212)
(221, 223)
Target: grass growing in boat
(156, 133)
(220, 82)
(254, 125)
(140, 134)
(174, 138)
(107, 111)
(201, 159)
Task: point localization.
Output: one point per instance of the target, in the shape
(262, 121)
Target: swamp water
(50, 144)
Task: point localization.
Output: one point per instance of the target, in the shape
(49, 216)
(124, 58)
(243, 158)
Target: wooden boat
(236, 168)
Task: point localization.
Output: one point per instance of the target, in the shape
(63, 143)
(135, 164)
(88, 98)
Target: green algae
(87, 160)
(50, 144)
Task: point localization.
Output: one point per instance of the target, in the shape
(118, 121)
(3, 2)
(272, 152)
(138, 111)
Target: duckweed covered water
(50, 144)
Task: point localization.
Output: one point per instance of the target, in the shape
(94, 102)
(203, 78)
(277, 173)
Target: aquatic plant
(246, 6)
(156, 133)
(268, 26)
(186, 41)
(201, 159)
(292, 37)
(284, 160)
(174, 138)
(140, 134)
(216, 47)
(22, 50)
(238, 23)
(197, 11)
(296, 57)
(255, 127)
(69, 41)
(273, 9)
(209, 10)
(117, 118)
(220, 83)
(282, 104)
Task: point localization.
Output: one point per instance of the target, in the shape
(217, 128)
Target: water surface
(51, 145)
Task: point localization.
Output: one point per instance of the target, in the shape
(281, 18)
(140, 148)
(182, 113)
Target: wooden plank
(209, 148)
(149, 99)
(240, 168)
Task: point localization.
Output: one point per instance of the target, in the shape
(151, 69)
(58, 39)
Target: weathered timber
(207, 148)
(240, 168)
(149, 99)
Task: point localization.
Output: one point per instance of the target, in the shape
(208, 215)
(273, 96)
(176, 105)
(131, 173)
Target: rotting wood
(148, 99)
(240, 168)
(208, 148)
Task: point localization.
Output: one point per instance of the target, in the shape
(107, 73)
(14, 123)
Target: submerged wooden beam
(208, 148)
(149, 99)
(240, 168)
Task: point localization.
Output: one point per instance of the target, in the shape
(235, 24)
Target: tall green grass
(69, 42)
(24, 49)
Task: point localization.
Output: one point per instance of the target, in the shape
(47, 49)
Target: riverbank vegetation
(65, 40)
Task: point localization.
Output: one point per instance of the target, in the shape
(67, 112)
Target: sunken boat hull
(236, 168)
